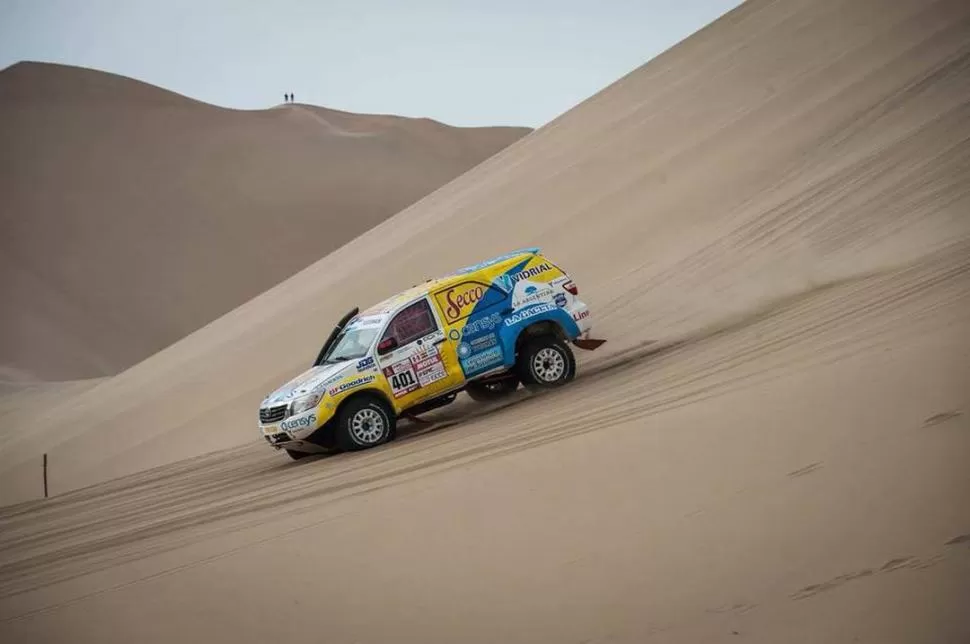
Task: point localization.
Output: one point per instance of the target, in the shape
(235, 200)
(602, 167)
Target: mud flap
(588, 344)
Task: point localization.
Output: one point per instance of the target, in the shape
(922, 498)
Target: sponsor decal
(560, 300)
(484, 342)
(582, 315)
(486, 323)
(366, 363)
(483, 360)
(427, 351)
(402, 378)
(367, 322)
(530, 294)
(397, 367)
(530, 272)
(530, 312)
(429, 370)
(314, 381)
(350, 384)
(326, 382)
(458, 301)
(298, 422)
(420, 369)
(469, 348)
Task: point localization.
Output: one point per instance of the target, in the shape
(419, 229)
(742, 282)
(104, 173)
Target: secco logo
(298, 423)
(458, 301)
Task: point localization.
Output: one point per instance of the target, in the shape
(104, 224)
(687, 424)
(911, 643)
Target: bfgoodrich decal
(350, 384)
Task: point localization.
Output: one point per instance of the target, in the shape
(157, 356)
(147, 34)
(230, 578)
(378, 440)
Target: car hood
(312, 380)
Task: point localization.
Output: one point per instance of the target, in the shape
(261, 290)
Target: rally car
(484, 330)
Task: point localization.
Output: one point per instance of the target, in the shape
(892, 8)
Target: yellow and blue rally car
(484, 329)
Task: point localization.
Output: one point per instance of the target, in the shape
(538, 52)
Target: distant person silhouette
(292, 97)
(286, 98)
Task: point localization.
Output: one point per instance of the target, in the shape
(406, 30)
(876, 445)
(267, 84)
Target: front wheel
(363, 422)
(546, 362)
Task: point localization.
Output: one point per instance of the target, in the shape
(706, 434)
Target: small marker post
(45, 475)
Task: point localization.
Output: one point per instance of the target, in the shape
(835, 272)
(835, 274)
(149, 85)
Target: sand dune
(769, 222)
(133, 216)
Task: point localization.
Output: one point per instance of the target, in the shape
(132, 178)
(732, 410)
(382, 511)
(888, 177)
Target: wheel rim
(367, 426)
(548, 365)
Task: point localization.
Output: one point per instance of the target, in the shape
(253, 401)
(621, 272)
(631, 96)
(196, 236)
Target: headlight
(304, 403)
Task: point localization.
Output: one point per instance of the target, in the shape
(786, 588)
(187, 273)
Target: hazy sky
(494, 62)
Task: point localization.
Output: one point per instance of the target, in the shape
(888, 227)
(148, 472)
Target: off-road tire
(355, 427)
(545, 362)
(494, 390)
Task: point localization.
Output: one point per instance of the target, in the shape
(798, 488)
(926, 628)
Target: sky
(494, 62)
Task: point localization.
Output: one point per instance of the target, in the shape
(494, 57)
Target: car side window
(413, 322)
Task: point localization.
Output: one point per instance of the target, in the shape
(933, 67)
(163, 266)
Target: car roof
(394, 303)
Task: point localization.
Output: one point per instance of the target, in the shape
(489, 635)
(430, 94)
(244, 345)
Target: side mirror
(386, 345)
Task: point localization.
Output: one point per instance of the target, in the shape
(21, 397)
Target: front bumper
(296, 428)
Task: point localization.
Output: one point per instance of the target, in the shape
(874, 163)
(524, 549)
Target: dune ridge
(133, 215)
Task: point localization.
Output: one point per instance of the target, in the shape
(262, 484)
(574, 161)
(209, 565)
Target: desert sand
(132, 215)
(770, 224)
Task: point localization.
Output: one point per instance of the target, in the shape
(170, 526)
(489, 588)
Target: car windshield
(353, 343)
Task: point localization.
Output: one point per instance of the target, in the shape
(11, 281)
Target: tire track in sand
(165, 509)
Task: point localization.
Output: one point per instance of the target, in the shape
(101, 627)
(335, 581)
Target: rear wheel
(494, 390)
(545, 362)
(364, 422)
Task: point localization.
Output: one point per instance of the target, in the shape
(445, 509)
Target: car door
(414, 357)
(472, 311)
